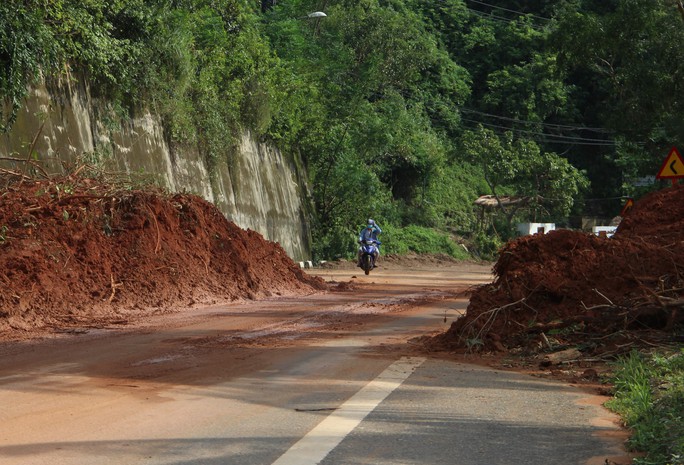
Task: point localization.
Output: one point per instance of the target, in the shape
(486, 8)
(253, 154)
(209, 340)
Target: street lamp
(317, 15)
(314, 15)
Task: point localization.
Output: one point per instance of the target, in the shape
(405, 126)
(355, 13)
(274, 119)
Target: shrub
(420, 240)
(649, 395)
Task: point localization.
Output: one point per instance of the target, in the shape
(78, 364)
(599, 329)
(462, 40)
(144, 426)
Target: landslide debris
(80, 252)
(570, 287)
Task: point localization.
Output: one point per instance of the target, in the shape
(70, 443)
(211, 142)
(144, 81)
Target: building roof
(489, 201)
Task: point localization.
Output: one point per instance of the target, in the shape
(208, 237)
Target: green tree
(449, 200)
(517, 167)
(378, 86)
(384, 99)
(626, 63)
(26, 45)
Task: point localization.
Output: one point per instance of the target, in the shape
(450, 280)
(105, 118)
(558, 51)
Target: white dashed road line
(321, 440)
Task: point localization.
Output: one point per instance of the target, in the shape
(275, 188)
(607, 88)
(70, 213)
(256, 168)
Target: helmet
(370, 222)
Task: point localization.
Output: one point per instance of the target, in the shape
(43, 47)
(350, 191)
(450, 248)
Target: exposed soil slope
(573, 286)
(79, 252)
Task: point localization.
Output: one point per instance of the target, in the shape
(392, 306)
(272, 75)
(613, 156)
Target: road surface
(329, 378)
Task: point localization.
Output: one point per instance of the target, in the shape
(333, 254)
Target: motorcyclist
(369, 232)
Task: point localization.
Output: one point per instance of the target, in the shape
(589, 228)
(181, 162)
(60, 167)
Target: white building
(607, 231)
(525, 229)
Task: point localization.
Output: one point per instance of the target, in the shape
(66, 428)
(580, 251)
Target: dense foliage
(403, 110)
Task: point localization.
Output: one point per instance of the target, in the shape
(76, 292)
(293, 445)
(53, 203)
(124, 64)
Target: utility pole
(317, 29)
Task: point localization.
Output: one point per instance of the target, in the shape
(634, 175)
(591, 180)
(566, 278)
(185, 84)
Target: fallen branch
(22, 160)
(30, 152)
(14, 173)
(544, 328)
(157, 247)
(669, 302)
(596, 307)
(607, 299)
(115, 286)
(491, 313)
(78, 170)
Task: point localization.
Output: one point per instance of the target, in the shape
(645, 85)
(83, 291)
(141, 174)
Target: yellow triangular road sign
(673, 166)
(628, 206)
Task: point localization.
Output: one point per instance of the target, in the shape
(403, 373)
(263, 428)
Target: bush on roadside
(487, 246)
(649, 396)
(420, 240)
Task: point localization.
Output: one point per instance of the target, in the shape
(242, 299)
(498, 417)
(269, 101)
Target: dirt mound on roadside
(78, 252)
(571, 286)
(657, 218)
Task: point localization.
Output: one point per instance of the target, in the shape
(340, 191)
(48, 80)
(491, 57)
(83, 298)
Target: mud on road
(70, 389)
(208, 345)
(111, 291)
(343, 301)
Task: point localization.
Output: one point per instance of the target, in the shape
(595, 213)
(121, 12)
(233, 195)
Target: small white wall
(608, 231)
(525, 229)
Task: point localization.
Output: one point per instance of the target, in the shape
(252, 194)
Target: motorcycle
(369, 252)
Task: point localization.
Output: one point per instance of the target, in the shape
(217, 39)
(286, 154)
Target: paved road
(324, 379)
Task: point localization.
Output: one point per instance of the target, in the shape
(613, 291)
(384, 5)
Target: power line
(570, 140)
(500, 18)
(558, 136)
(549, 125)
(550, 139)
(510, 11)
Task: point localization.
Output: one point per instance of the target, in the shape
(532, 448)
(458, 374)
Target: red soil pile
(574, 286)
(77, 252)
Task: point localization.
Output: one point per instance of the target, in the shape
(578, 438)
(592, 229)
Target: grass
(649, 396)
(421, 240)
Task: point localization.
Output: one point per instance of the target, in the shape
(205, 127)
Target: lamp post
(317, 15)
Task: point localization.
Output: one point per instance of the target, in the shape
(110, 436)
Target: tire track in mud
(316, 325)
